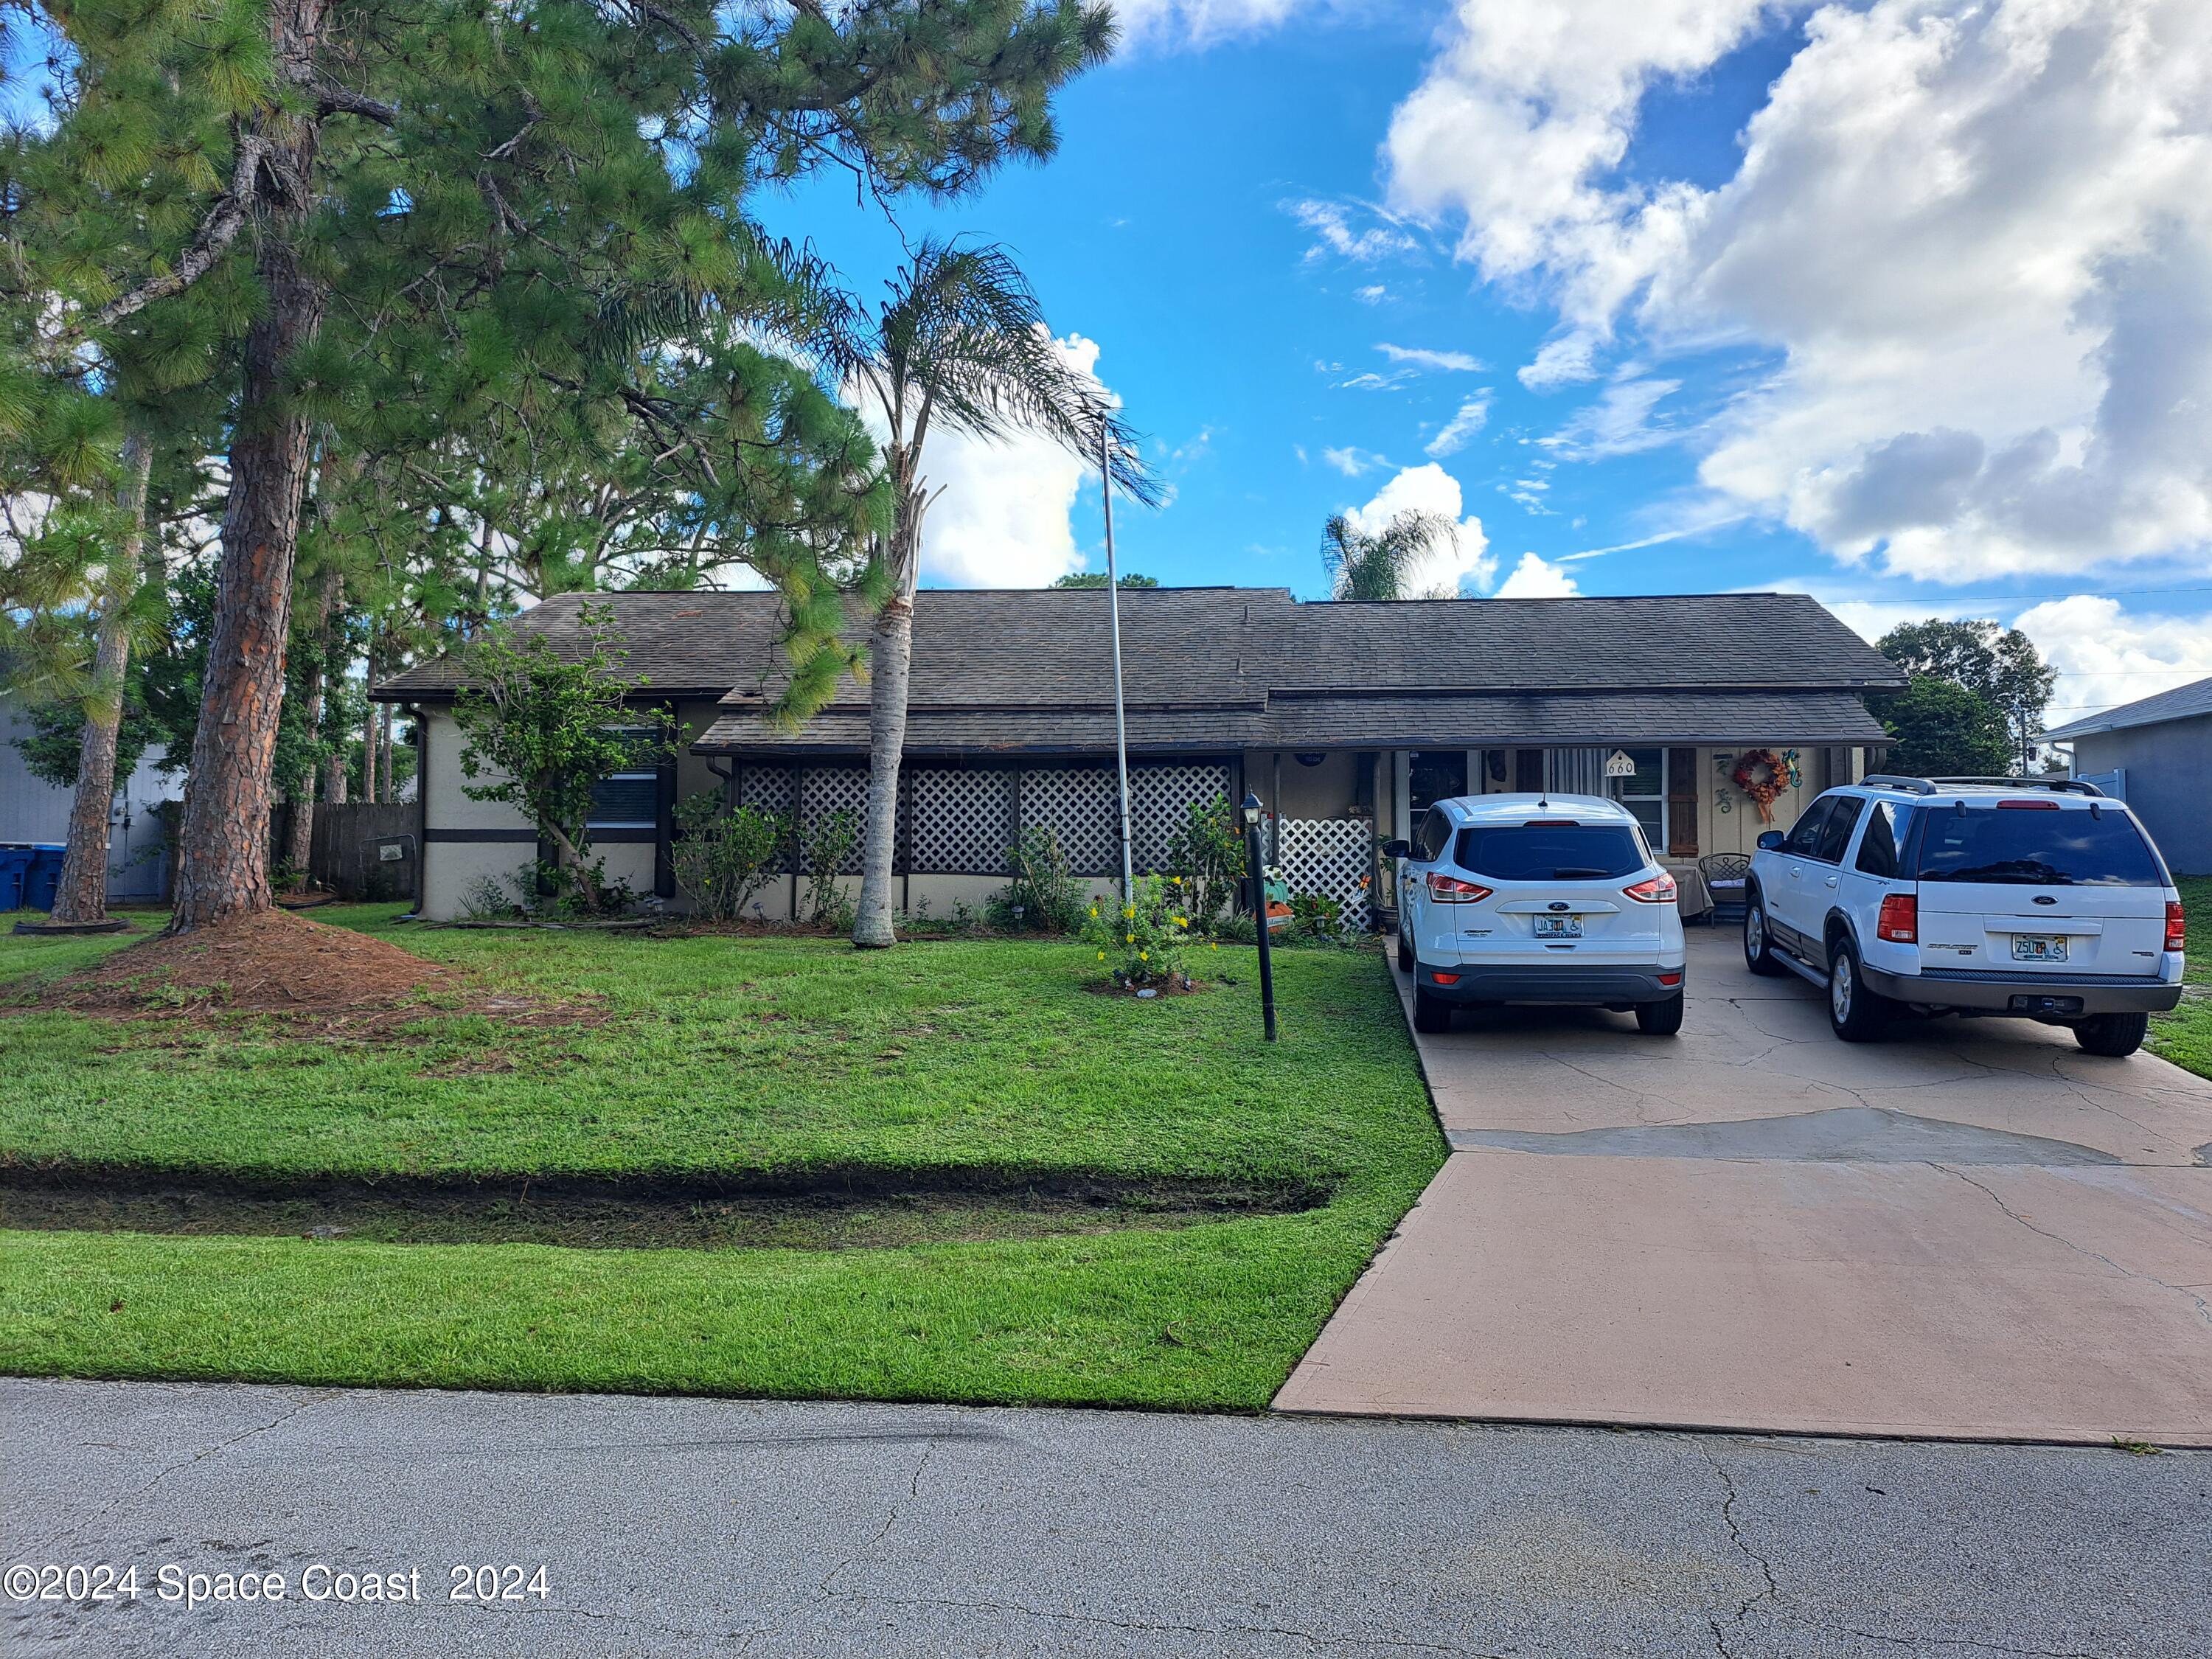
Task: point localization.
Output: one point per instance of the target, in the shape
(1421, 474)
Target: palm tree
(960, 342)
(1380, 566)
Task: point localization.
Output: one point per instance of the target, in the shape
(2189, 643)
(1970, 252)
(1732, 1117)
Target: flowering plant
(1146, 941)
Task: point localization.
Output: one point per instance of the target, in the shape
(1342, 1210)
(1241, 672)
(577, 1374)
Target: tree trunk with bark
(225, 869)
(891, 655)
(386, 789)
(299, 847)
(82, 899)
(369, 732)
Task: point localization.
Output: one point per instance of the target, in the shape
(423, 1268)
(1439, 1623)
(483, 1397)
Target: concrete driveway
(1968, 1231)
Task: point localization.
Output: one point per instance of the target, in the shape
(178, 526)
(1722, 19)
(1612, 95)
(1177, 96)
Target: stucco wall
(2169, 783)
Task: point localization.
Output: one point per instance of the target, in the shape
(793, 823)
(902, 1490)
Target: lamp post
(1258, 867)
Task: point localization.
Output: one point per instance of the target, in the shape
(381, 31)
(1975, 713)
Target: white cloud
(1200, 22)
(1472, 416)
(1352, 460)
(1618, 423)
(1459, 562)
(1450, 362)
(1004, 518)
(1332, 223)
(2105, 656)
(1536, 579)
(1974, 235)
(1373, 295)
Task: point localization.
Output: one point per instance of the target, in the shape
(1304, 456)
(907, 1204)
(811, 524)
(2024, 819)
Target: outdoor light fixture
(1258, 868)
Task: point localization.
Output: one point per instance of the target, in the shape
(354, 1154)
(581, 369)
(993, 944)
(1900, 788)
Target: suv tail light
(1451, 890)
(2177, 927)
(1898, 920)
(2029, 806)
(1660, 889)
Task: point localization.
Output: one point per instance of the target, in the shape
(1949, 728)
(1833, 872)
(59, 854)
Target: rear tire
(1405, 953)
(2113, 1035)
(1758, 943)
(1430, 1013)
(1660, 1018)
(1855, 1013)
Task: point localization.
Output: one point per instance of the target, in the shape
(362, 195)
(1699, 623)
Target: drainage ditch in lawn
(870, 1209)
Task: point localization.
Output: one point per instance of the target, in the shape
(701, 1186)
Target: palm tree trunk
(890, 656)
(368, 734)
(386, 792)
(81, 898)
(224, 873)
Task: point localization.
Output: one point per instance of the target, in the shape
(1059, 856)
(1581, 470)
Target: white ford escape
(2038, 899)
(1526, 898)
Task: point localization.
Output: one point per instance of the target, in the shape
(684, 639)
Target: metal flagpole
(1113, 615)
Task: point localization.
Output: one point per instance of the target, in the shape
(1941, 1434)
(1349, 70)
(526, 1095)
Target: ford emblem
(1559, 904)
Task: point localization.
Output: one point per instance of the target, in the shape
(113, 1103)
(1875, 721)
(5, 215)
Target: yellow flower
(1130, 911)
(1144, 955)
(1102, 956)
(1178, 881)
(1182, 922)
(1213, 945)
(1128, 938)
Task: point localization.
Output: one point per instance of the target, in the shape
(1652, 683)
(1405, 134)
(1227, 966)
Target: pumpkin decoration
(1762, 774)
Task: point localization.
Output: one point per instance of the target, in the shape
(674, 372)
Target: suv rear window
(1576, 852)
(2036, 848)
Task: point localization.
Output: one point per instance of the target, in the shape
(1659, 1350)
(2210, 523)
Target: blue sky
(1260, 199)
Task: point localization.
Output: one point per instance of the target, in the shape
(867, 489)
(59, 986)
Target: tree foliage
(1939, 728)
(1381, 565)
(1098, 578)
(1997, 663)
(542, 730)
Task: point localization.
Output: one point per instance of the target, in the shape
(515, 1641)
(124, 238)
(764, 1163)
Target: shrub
(1317, 916)
(1207, 851)
(1047, 897)
(722, 859)
(821, 849)
(1145, 943)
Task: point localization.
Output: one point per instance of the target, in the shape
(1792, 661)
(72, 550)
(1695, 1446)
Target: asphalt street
(674, 1527)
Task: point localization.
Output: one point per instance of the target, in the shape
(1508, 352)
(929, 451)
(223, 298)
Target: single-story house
(2155, 755)
(33, 809)
(1347, 719)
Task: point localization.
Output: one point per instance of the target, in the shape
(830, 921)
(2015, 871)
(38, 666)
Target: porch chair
(1725, 874)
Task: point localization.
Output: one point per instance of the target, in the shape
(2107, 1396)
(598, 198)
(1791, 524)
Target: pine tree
(439, 209)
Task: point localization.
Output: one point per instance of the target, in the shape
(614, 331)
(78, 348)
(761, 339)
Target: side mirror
(1769, 841)
(1397, 849)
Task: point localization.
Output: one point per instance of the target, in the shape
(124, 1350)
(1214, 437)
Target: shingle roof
(1215, 668)
(2181, 703)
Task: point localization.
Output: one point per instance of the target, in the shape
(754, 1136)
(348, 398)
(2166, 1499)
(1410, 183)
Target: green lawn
(2185, 1036)
(724, 1056)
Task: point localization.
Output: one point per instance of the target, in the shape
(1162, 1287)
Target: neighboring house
(33, 809)
(2155, 755)
(1345, 718)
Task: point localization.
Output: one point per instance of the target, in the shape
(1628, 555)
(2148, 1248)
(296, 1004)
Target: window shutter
(1682, 803)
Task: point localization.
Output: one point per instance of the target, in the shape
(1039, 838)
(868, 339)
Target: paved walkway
(1969, 1229)
(677, 1529)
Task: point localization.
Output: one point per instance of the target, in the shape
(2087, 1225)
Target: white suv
(1530, 898)
(2037, 898)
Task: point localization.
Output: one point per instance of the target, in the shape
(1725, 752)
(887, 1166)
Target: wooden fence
(341, 853)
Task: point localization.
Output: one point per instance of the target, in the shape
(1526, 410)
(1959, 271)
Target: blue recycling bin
(15, 868)
(44, 877)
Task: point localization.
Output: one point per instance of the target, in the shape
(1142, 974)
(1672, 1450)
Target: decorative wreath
(1762, 774)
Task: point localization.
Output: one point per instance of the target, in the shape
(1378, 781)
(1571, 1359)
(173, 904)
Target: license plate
(1558, 927)
(2037, 947)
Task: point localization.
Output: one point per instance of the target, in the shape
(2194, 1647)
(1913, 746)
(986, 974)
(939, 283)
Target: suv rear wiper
(1579, 872)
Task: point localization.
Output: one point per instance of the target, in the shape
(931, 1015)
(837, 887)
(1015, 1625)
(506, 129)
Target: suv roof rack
(1933, 786)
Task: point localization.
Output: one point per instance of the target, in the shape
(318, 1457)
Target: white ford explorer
(2038, 899)
(1526, 898)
